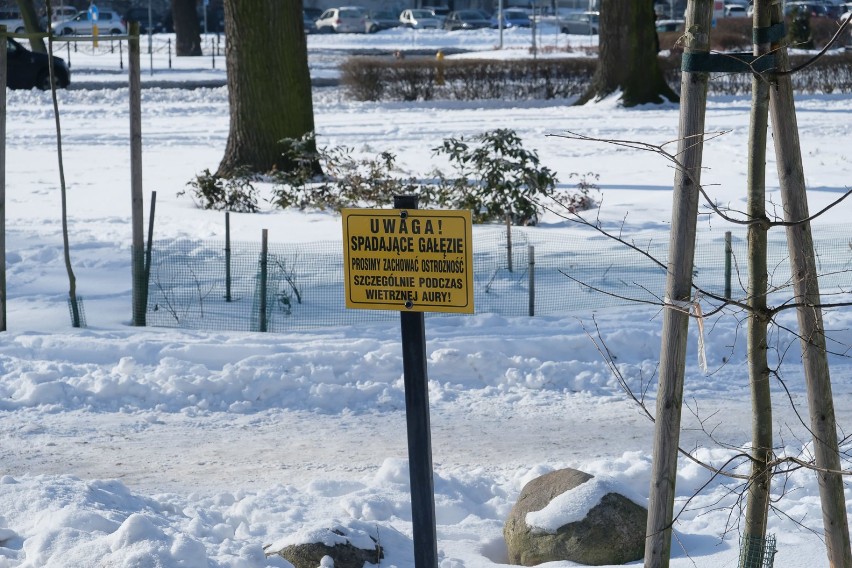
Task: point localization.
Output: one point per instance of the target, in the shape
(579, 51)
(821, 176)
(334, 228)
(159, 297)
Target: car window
(327, 14)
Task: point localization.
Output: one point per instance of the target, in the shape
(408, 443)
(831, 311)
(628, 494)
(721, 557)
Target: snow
(134, 447)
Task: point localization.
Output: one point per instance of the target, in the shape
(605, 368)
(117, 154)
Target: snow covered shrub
(496, 176)
(232, 194)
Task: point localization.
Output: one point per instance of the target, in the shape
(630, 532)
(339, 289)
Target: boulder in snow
(570, 515)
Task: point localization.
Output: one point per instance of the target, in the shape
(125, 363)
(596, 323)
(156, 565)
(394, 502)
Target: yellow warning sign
(408, 259)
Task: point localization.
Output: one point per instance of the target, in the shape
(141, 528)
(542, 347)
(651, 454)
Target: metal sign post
(413, 261)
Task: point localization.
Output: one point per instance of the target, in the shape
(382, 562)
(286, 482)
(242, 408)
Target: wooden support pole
(678, 292)
(753, 549)
(791, 177)
(136, 203)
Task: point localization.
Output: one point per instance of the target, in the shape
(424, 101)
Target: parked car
(309, 23)
(419, 19)
(140, 14)
(26, 69)
(834, 11)
(109, 23)
(383, 20)
(670, 25)
(440, 13)
(580, 23)
(814, 9)
(313, 13)
(60, 14)
(512, 18)
(348, 19)
(735, 11)
(467, 20)
(13, 21)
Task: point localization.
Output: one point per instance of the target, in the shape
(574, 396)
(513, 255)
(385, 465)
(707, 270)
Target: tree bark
(791, 177)
(187, 29)
(269, 85)
(628, 55)
(678, 293)
(30, 17)
(752, 551)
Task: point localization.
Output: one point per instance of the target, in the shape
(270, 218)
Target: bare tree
(187, 29)
(269, 85)
(627, 60)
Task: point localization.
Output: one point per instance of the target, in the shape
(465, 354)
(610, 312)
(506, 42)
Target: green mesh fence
(192, 286)
(757, 552)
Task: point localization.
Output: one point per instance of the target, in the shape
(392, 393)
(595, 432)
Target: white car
(12, 20)
(419, 19)
(735, 11)
(348, 19)
(109, 23)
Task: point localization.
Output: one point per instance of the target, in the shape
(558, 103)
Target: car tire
(42, 81)
(373, 29)
(67, 31)
(20, 30)
(115, 31)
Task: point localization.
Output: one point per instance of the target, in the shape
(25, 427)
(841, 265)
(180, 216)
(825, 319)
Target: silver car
(348, 19)
(580, 23)
(109, 23)
(419, 19)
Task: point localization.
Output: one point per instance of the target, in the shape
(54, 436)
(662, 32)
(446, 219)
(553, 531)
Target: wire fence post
(728, 254)
(148, 251)
(170, 52)
(3, 79)
(264, 248)
(531, 255)
(509, 241)
(227, 256)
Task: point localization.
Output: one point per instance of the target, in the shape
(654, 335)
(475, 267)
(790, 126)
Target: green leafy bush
(235, 194)
(493, 176)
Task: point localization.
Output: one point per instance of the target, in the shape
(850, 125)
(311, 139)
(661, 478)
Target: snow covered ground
(129, 447)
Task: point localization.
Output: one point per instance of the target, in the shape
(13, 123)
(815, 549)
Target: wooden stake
(678, 292)
(788, 154)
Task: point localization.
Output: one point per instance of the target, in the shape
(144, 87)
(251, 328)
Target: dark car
(309, 23)
(140, 14)
(383, 20)
(26, 69)
(512, 18)
(466, 20)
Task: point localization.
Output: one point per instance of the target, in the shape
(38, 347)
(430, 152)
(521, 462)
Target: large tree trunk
(30, 17)
(187, 29)
(269, 85)
(627, 59)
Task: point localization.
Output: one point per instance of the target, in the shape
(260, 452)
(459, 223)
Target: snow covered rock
(570, 515)
(341, 547)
